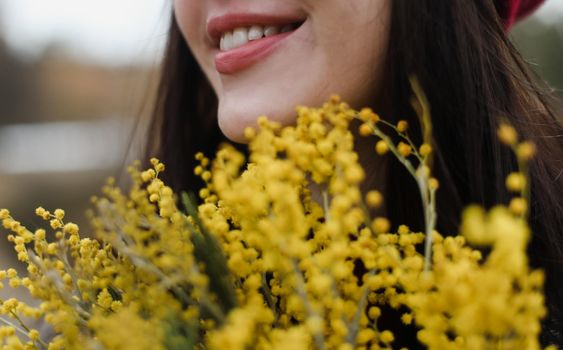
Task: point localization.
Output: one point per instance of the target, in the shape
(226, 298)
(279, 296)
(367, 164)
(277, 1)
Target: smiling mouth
(242, 40)
(242, 35)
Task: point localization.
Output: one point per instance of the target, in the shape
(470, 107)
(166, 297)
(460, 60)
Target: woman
(301, 51)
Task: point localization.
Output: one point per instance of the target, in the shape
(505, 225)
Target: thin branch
(318, 337)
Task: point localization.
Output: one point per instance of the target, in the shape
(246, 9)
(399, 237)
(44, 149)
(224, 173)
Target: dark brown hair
(471, 74)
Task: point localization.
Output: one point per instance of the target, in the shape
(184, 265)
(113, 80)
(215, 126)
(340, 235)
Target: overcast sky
(109, 31)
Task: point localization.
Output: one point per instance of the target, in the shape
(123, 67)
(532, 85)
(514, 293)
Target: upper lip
(218, 25)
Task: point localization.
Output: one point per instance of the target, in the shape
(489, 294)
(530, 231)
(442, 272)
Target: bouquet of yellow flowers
(283, 253)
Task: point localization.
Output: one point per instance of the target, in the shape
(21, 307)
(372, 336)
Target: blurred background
(75, 79)
(76, 76)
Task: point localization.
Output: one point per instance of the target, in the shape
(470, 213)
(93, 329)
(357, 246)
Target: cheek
(191, 17)
(187, 16)
(355, 43)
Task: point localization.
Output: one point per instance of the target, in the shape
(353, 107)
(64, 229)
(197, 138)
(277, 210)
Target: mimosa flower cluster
(282, 253)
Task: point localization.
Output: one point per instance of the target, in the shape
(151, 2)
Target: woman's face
(264, 57)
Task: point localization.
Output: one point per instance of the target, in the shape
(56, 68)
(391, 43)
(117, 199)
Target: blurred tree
(542, 45)
(18, 87)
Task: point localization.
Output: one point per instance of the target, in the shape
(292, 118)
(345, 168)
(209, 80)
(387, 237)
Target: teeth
(242, 35)
(255, 33)
(222, 43)
(227, 41)
(271, 30)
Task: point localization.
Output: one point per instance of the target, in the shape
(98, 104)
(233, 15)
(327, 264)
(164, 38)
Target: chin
(232, 130)
(233, 119)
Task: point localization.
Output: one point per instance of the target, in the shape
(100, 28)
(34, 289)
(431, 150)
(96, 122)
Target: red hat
(514, 10)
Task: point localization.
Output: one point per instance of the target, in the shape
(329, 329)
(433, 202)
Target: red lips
(232, 61)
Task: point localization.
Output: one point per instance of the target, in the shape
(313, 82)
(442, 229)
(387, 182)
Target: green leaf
(208, 252)
(179, 335)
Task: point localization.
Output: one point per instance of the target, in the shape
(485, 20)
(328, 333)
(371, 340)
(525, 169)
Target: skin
(339, 50)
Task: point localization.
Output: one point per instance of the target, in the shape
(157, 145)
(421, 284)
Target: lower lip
(235, 60)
